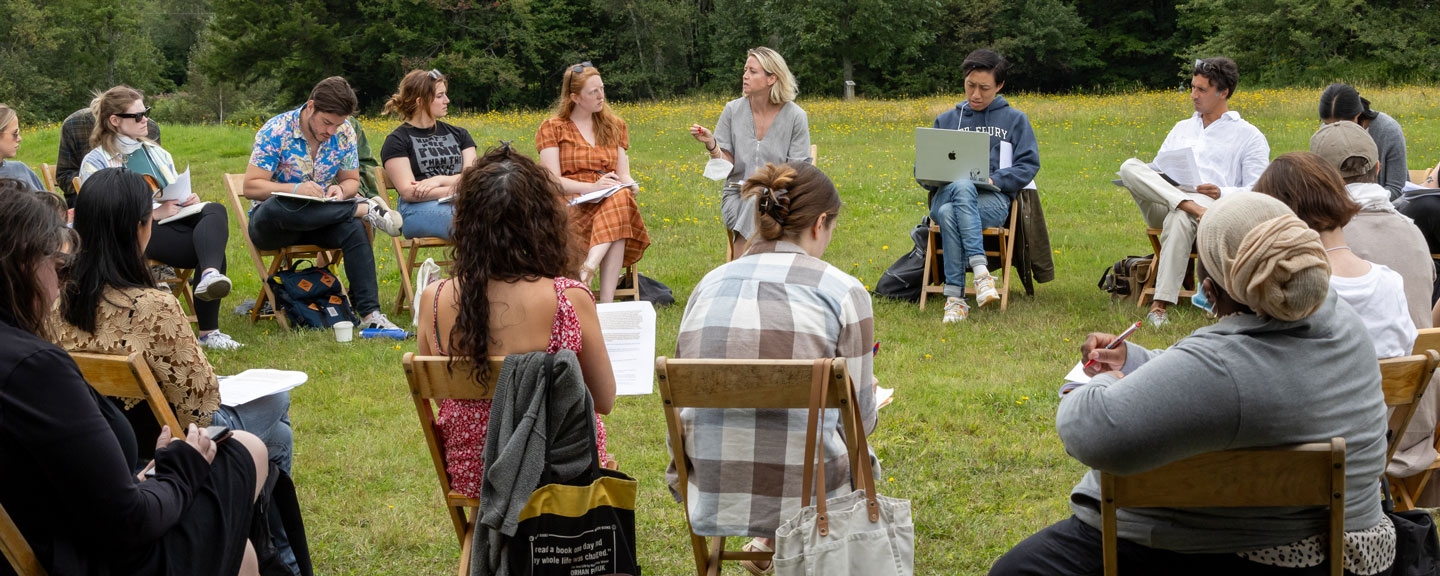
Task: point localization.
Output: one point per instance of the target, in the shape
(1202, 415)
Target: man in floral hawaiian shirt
(302, 183)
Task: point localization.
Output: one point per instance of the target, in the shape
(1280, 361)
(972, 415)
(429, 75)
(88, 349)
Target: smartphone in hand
(217, 433)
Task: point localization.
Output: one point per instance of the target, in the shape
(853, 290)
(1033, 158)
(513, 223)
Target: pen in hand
(1116, 342)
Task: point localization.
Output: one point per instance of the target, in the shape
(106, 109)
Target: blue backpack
(311, 297)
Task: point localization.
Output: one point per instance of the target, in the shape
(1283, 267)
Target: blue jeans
(962, 212)
(429, 219)
(268, 418)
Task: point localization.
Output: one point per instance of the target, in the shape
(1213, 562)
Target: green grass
(970, 439)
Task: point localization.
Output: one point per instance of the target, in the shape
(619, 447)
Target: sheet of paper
(629, 330)
(257, 383)
(312, 198)
(1007, 154)
(1179, 165)
(598, 195)
(179, 189)
(1413, 186)
(1077, 374)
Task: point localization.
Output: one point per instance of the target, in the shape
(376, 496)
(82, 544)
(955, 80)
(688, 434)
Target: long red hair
(607, 124)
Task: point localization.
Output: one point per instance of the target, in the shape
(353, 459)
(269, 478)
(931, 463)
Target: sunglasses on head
(1201, 65)
(581, 67)
(136, 116)
(435, 74)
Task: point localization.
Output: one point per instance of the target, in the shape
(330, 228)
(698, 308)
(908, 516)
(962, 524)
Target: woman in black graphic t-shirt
(423, 157)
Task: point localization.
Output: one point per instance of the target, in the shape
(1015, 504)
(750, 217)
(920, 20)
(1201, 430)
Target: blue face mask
(1201, 302)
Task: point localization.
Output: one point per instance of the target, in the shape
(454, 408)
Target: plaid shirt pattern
(746, 466)
(75, 144)
(579, 160)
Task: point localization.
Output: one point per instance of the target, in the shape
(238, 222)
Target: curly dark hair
(511, 224)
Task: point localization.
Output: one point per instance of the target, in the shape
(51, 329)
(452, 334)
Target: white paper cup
(344, 331)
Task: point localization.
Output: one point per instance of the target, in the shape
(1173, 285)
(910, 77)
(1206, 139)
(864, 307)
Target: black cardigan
(66, 461)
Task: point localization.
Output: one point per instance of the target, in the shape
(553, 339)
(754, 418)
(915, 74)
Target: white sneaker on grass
(218, 340)
(377, 320)
(955, 310)
(382, 217)
(213, 286)
(985, 290)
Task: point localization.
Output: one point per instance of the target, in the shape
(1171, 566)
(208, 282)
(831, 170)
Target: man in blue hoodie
(959, 208)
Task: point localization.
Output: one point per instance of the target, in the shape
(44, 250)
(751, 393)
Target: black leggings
(196, 242)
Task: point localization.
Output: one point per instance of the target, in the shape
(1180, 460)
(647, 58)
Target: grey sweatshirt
(1243, 382)
(1390, 140)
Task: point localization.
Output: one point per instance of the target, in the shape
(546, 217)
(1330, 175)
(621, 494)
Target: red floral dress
(463, 424)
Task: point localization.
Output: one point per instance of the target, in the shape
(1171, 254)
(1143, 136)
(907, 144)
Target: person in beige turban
(1287, 362)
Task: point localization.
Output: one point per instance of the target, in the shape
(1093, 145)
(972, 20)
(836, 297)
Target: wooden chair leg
(465, 543)
(925, 276)
(407, 290)
(717, 553)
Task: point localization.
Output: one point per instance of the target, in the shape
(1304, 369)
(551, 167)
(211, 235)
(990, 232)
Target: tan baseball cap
(1341, 141)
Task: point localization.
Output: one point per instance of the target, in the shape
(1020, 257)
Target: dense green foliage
(243, 59)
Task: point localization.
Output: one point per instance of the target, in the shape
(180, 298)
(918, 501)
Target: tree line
(244, 59)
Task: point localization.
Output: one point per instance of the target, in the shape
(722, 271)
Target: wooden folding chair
(47, 173)
(282, 258)
(407, 250)
(1419, 176)
(432, 380)
(1147, 292)
(1404, 379)
(709, 383)
(1299, 475)
(1407, 490)
(128, 377)
(180, 287)
(731, 235)
(932, 281)
(16, 550)
(75, 182)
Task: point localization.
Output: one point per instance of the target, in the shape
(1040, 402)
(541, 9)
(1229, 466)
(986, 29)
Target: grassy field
(970, 438)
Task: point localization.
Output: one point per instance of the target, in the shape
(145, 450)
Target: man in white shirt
(1230, 154)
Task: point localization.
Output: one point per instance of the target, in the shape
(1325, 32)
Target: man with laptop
(973, 162)
(1211, 154)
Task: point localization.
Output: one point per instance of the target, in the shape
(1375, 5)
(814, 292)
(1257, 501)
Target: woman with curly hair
(509, 294)
(584, 145)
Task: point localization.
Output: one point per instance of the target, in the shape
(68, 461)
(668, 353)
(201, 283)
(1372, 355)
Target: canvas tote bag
(858, 534)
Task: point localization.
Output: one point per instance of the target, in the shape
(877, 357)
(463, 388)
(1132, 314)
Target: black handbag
(1417, 551)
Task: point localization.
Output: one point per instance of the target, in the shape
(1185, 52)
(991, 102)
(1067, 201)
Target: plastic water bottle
(384, 333)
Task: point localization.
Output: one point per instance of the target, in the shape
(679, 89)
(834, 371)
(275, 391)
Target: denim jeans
(280, 222)
(429, 219)
(268, 418)
(962, 212)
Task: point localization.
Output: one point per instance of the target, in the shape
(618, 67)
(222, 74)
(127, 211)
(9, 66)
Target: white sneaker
(218, 340)
(377, 320)
(955, 310)
(212, 286)
(985, 290)
(382, 217)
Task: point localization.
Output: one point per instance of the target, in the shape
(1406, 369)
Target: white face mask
(718, 169)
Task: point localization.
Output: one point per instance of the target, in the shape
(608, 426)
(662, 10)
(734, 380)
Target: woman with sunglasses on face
(10, 146)
(423, 156)
(71, 481)
(196, 241)
(584, 145)
(763, 126)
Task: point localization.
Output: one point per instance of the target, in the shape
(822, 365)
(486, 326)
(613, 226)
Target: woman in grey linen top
(1288, 362)
(1342, 102)
(763, 126)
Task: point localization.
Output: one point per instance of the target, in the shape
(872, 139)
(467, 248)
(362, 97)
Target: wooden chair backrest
(1404, 379)
(1299, 475)
(47, 173)
(239, 204)
(16, 550)
(128, 377)
(711, 383)
(1426, 339)
(75, 183)
(434, 378)
(1418, 176)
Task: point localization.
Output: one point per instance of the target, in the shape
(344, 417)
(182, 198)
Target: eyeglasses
(136, 116)
(1201, 65)
(581, 67)
(435, 74)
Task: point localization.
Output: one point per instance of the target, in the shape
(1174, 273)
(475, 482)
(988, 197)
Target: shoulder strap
(435, 316)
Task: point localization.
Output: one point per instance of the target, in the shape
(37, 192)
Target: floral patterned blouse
(280, 148)
(150, 322)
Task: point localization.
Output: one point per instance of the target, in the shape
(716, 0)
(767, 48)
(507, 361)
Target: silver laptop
(945, 156)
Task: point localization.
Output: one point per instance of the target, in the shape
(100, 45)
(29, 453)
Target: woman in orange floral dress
(584, 144)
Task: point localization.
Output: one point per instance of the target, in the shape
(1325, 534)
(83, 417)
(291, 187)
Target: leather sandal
(755, 545)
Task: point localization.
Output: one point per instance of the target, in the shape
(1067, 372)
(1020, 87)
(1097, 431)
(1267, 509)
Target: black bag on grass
(1126, 276)
(311, 297)
(902, 279)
